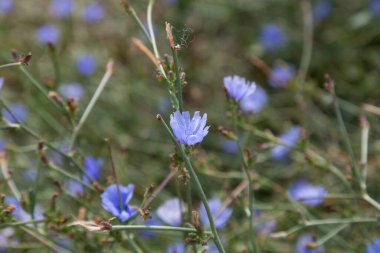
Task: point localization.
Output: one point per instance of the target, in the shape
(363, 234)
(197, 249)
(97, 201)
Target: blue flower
(288, 141)
(61, 8)
(71, 90)
(308, 194)
(1, 82)
(6, 6)
(178, 247)
(154, 221)
(255, 101)
(304, 244)
(19, 111)
(20, 214)
(86, 64)
(6, 240)
(93, 13)
(237, 87)
(374, 247)
(48, 34)
(93, 168)
(74, 188)
(2, 145)
(188, 131)
(220, 217)
(272, 37)
(281, 75)
(30, 174)
(230, 146)
(171, 212)
(111, 201)
(375, 7)
(321, 10)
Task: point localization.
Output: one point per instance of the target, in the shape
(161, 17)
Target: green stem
(131, 11)
(198, 184)
(330, 235)
(156, 228)
(10, 65)
(178, 80)
(54, 58)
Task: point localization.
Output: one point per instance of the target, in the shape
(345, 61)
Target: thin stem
(21, 223)
(131, 11)
(159, 188)
(10, 65)
(54, 58)
(7, 175)
(115, 174)
(331, 234)
(198, 184)
(136, 248)
(91, 104)
(178, 80)
(156, 228)
(152, 36)
(364, 152)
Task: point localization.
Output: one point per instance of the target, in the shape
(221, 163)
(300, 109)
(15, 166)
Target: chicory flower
(237, 87)
(220, 217)
(308, 194)
(170, 212)
(304, 244)
(288, 141)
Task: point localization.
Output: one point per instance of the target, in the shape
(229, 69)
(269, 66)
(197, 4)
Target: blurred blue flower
(303, 244)
(48, 34)
(178, 247)
(255, 101)
(74, 188)
(2, 145)
(1, 82)
(230, 146)
(272, 37)
(220, 217)
(321, 10)
(237, 87)
(6, 6)
(93, 13)
(86, 64)
(111, 201)
(61, 8)
(19, 111)
(374, 247)
(281, 75)
(71, 90)
(30, 174)
(375, 7)
(170, 212)
(154, 221)
(20, 214)
(92, 166)
(188, 131)
(308, 194)
(266, 227)
(6, 239)
(288, 141)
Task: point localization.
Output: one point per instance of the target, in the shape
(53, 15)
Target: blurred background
(271, 42)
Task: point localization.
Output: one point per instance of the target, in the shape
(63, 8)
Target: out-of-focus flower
(2, 145)
(188, 131)
(321, 10)
(230, 146)
(30, 174)
(74, 188)
(288, 141)
(111, 201)
(178, 247)
(20, 214)
(281, 75)
(71, 90)
(311, 195)
(154, 221)
(93, 167)
(272, 37)
(264, 225)
(375, 7)
(93, 13)
(305, 244)
(19, 112)
(6, 239)
(237, 87)
(1, 82)
(86, 64)
(374, 247)
(254, 102)
(61, 8)
(48, 34)
(220, 218)
(170, 212)
(6, 6)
